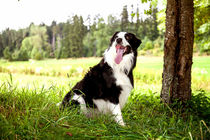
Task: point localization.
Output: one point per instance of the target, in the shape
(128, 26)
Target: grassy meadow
(29, 92)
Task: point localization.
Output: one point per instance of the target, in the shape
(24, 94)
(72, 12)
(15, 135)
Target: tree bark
(178, 50)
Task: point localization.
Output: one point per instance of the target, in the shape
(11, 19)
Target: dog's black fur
(99, 82)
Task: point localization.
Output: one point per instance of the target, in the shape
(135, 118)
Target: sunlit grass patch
(147, 72)
(28, 101)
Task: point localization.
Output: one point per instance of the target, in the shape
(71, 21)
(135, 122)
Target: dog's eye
(128, 37)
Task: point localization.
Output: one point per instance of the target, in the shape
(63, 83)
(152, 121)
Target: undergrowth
(33, 114)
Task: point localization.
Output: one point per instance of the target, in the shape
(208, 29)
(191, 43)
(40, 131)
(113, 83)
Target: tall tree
(52, 34)
(124, 19)
(154, 31)
(74, 32)
(11, 39)
(178, 49)
(59, 36)
(40, 46)
(1, 46)
(77, 34)
(65, 47)
(137, 21)
(113, 25)
(101, 37)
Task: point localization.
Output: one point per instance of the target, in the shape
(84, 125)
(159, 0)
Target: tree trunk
(178, 50)
(53, 45)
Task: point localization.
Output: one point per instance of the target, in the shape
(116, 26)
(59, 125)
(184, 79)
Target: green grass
(148, 72)
(28, 101)
(33, 114)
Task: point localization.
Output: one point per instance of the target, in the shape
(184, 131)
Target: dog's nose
(119, 40)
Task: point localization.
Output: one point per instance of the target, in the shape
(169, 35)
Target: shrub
(159, 43)
(23, 55)
(15, 55)
(58, 53)
(200, 106)
(156, 52)
(204, 46)
(37, 54)
(148, 45)
(142, 53)
(7, 54)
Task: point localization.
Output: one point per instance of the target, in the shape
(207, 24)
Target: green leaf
(133, 14)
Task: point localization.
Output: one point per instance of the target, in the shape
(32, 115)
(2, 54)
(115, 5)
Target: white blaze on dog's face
(123, 47)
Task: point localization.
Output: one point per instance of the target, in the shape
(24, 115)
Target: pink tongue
(119, 57)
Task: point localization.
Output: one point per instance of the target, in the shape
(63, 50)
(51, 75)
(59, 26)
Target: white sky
(19, 14)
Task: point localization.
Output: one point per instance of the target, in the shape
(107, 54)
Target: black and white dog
(107, 85)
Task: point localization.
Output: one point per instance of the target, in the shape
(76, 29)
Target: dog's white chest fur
(123, 81)
(119, 73)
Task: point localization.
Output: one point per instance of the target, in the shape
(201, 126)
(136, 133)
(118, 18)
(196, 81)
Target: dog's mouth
(120, 50)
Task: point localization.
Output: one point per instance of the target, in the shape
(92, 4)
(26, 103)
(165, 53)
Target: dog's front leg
(116, 111)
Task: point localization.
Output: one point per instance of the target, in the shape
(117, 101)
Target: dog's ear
(113, 37)
(135, 41)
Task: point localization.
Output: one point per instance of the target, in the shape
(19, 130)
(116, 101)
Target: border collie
(107, 85)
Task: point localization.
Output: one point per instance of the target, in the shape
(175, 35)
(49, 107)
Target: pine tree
(137, 25)
(65, 49)
(1, 46)
(72, 43)
(154, 31)
(124, 19)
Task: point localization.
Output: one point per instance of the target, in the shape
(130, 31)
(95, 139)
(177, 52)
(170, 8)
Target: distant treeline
(75, 39)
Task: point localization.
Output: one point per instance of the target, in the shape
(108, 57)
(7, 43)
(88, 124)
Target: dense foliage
(201, 24)
(90, 37)
(74, 38)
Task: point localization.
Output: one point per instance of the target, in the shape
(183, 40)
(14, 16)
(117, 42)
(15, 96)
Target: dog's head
(123, 44)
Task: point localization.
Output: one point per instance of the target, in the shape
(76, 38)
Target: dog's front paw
(121, 123)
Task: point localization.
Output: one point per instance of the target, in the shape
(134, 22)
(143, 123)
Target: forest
(74, 38)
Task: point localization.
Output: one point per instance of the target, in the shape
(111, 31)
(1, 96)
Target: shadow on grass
(194, 115)
(33, 114)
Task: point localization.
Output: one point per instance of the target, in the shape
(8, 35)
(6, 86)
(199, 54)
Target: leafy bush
(157, 52)
(142, 53)
(23, 55)
(151, 48)
(47, 50)
(143, 43)
(202, 38)
(159, 43)
(58, 53)
(27, 46)
(148, 45)
(200, 106)
(20, 55)
(15, 55)
(7, 54)
(37, 54)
